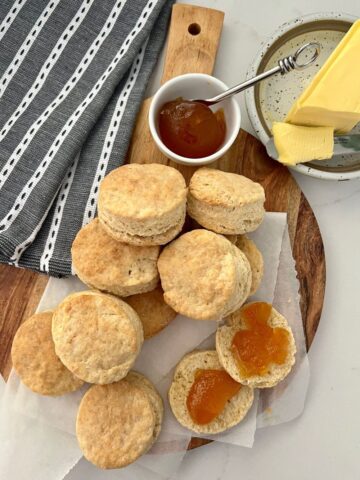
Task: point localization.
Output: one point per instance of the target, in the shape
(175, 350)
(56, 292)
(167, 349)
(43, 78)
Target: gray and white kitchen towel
(72, 77)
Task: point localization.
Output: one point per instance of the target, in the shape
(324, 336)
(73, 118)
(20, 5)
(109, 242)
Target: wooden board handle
(187, 51)
(193, 40)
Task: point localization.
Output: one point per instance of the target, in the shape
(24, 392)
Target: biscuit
(253, 254)
(115, 424)
(203, 275)
(225, 202)
(105, 264)
(235, 409)
(143, 204)
(154, 313)
(97, 336)
(34, 359)
(148, 389)
(224, 337)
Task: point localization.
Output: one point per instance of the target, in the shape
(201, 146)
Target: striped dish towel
(72, 77)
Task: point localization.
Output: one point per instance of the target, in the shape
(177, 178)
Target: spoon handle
(284, 66)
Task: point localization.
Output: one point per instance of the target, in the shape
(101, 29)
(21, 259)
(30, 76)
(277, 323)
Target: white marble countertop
(324, 443)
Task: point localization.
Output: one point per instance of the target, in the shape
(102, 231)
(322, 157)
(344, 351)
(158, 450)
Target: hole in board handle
(194, 29)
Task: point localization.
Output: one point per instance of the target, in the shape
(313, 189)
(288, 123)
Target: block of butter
(333, 97)
(295, 144)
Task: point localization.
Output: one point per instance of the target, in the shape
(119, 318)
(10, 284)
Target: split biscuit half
(235, 409)
(275, 373)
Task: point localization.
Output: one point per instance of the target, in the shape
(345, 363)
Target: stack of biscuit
(143, 204)
(89, 337)
(202, 274)
(205, 275)
(118, 423)
(140, 208)
(95, 336)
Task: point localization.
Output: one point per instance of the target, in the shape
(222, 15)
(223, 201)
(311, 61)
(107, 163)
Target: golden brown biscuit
(34, 359)
(203, 275)
(97, 336)
(235, 410)
(143, 204)
(276, 373)
(155, 314)
(253, 254)
(115, 424)
(105, 264)
(225, 202)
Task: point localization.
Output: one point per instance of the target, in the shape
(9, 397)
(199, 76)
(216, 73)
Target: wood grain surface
(20, 290)
(193, 40)
(185, 53)
(20, 293)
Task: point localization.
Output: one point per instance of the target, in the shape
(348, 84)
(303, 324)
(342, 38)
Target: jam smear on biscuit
(209, 393)
(259, 345)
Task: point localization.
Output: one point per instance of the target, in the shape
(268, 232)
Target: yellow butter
(333, 97)
(296, 144)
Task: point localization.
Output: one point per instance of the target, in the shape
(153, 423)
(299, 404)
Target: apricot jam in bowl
(188, 132)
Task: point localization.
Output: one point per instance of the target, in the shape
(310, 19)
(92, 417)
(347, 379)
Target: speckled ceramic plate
(271, 99)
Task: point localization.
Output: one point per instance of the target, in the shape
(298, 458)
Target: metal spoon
(285, 65)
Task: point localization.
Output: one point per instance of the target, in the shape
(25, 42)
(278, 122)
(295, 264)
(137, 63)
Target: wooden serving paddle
(193, 41)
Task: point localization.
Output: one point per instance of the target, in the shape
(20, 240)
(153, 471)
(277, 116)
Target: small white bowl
(190, 86)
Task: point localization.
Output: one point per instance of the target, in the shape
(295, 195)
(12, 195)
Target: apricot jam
(209, 393)
(259, 345)
(191, 129)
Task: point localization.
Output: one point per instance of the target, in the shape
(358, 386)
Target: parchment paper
(37, 420)
(286, 401)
